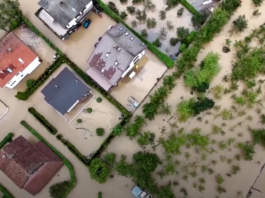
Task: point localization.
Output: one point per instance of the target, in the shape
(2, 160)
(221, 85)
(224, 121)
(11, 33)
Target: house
(63, 16)
(65, 91)
(115, 56)
(16, 61)
(29, 166)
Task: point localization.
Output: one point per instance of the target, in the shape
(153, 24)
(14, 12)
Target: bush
(172, 3)
(185, 110)
(42, 121)
(99, 171)
(79, 121)
(117, 130)
(144, 33)
(7, 138)
(134, 23)
(123, 15)
(89, 110)
(157, 42)
(99, 99)
(100, 131)
(58, 190)
(202, 104)
(131, 9)
(30, 82)
(65, 160)
(248, 150)
(99, 194)
(59, 136)
(41, 79)
(182, 47)
(199, 19)
(183, 33)
(173, 41)
(240, 24)
(150, 23)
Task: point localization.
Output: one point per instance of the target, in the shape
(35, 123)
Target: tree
(230, 5)
(173, 143)
(123, 1)
(30, 82)
(110, 158)
(9, 12)
(59, 190)
(165, 192)
(133, 129)
(163, 33)
(256, 13)
(172, 3)
(173, 41)
(162, 14)
(240, 24)
(183, 33)
(148, 5)
(123, 15)
(150, 110)
(257, 2)
(150, 23)
(131, 9)
(144, 33)
(180, 12)
(113, 7)
(146, 138)
(169, 82)
(99, 171)
(199, 19)
(157, 42)
(170, 25)
(140, 15)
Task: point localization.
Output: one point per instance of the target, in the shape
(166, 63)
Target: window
(126, 33)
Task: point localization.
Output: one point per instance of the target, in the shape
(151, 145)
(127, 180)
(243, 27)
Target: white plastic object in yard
(132, 74)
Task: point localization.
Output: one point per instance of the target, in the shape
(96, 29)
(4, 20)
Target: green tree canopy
(99, 171)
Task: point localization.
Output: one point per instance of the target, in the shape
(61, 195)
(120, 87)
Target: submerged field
(212, 154)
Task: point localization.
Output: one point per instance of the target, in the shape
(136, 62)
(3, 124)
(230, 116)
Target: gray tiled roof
(121, 51)
(63, 11)
(64, 90)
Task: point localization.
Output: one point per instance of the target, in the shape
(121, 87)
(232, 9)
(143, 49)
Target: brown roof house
(29, 166)
(17, 60)
(115, 56)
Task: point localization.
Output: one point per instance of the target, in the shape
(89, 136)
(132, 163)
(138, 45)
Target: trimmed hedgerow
(65, 160)
(189, 7)
(6, 193)
(42, 120)
(163, 57)
(7, 138)
(40, 80)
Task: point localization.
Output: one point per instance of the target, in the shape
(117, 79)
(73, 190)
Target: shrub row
(7, 138)
(6, 193)
(163, 57)
(65, 160)
(214, 25)
(40, 80)
(42, 120)
(189, 7)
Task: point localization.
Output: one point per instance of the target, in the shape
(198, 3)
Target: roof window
(132, 38)
(121, 28)
(126, 33)
(116, 63)
(118, 49)
(107, 54)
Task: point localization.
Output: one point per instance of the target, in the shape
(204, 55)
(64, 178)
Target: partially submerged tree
(241, 23)
(163, 33)
(140, 15)
(144, 33)
(183, 33)
(257, 2)
(162, 14)
(148, 5)
(9, 12)
(150, 23)
(99, 171)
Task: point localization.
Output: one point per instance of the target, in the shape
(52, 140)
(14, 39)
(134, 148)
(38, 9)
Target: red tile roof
(11, 49)
(29, 166)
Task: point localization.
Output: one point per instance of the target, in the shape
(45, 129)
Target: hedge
(7, 138)
(42, 120)
(40, 80)
(189, 7)
(163, 57)
(6, 193)
(65, 160)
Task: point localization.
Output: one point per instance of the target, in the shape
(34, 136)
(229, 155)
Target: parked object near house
(29, 166)
(115, 56)
(16, 61)
(65, 91)
(62, 17)
(87, 23)
(139, 193)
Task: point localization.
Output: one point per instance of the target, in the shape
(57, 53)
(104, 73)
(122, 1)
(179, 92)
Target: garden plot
(40, 47)
(212, 154)
(96, 122)
(169, 23)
